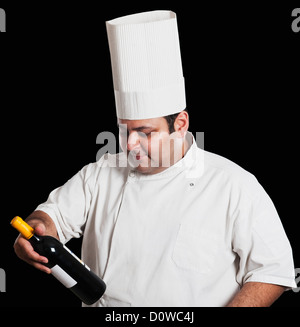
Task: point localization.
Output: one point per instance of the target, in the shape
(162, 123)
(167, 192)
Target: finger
(25, 251)
(28, 254)
(40, 229)
(34, 256)
(41, 267)
(37, 261)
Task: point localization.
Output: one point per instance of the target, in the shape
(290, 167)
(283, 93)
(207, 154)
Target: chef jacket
(191, 235)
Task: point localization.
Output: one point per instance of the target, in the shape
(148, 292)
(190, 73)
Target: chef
(165, 223)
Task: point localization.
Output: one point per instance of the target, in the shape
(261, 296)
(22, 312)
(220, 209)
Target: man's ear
(181, 124)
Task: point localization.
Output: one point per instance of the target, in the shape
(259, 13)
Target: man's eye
(142, 134)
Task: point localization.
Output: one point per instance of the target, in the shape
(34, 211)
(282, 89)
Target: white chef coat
(191, 235)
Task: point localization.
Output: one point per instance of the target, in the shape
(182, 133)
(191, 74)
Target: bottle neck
(34, 238)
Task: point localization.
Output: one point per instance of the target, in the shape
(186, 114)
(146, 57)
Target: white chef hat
(146, 65)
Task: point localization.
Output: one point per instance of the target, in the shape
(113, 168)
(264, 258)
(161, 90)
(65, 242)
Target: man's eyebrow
(140, 128)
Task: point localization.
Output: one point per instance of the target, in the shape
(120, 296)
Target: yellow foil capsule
(19, 224)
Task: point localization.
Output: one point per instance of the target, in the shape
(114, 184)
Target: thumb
(40, 229)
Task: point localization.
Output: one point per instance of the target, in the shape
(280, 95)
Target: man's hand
(43, 225)
(255, 294)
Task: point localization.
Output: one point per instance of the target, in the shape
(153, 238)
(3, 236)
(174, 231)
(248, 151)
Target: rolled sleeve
(264, 251)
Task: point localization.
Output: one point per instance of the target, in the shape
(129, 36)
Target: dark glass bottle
(64, 265)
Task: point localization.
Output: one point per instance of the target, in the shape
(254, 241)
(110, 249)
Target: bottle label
(63, 277)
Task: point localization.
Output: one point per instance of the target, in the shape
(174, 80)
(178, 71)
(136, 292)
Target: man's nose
(133, 141)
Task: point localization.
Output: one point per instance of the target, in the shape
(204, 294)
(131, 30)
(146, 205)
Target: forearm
(42, 217)
(255, 294)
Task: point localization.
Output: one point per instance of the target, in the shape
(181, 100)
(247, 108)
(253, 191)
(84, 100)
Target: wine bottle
(64, 265)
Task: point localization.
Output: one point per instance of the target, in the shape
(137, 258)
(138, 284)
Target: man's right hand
(24, 250)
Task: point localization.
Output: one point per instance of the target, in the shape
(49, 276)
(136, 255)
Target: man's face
(148, 144)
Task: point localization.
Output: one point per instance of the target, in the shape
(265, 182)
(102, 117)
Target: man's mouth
(137, 156)
(140, 156)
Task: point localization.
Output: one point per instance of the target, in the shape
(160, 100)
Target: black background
(241, 66)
